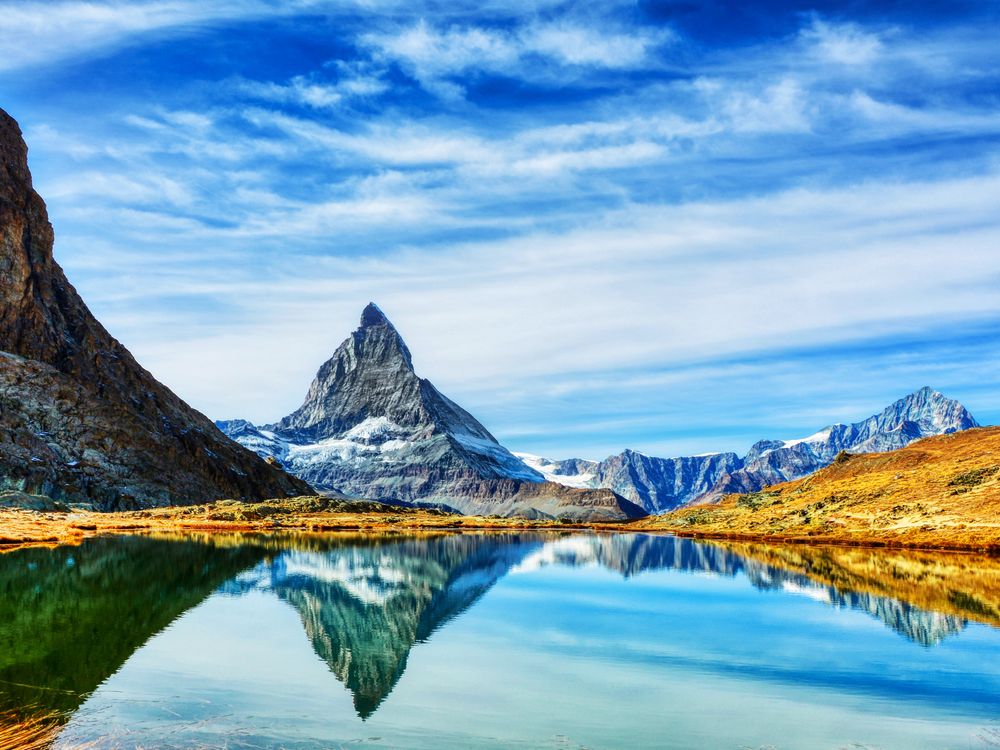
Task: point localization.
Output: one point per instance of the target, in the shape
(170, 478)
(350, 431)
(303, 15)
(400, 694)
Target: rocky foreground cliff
(80, 419)
(371, 427)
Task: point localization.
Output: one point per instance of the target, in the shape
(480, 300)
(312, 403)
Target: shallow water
(472, 640)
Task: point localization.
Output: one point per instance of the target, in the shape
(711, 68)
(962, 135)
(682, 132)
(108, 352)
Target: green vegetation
(970, 603)
(973, 477)
(755, 500)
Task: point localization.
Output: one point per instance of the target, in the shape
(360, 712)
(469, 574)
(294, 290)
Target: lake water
(495, 641)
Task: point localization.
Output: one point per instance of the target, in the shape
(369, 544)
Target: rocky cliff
(371, 427)
(80, 419)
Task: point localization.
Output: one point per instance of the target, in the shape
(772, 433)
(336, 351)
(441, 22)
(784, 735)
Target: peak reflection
(364, 607)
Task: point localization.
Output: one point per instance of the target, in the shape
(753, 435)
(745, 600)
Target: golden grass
(19, 528)
(27, 733)
(939, 493)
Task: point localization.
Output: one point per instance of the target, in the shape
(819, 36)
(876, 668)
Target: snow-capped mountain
(371, 427)
(662, 484)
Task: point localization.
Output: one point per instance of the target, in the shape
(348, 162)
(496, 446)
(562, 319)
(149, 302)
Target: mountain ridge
(663, 484)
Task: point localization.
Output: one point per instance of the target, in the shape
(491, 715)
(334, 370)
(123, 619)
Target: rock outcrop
(80, 419)
(371, 427)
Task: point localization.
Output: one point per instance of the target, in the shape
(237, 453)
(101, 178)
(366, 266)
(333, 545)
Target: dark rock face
(80, 419)
(371, 427)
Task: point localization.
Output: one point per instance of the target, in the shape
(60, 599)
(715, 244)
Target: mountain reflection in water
(70, 617)
(364, 608)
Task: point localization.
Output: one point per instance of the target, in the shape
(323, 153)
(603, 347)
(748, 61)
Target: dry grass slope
(20, 527)
(941, 492)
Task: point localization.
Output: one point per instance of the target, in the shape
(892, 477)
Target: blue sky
(672, 226)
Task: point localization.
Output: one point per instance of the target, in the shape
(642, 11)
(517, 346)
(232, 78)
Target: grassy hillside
(939, 492)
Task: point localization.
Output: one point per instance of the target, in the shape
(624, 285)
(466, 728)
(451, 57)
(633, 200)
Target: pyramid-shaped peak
(372, 316)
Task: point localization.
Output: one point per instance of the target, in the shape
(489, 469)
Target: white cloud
(357, 80)
(774, 107)
(639, 288)
(589, 46)
(141, 189)
(434, 56)
(43, 32)
(845, 44)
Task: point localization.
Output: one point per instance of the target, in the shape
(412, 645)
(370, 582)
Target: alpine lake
(512, 640)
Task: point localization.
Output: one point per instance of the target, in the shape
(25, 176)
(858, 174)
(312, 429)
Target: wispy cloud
(846, 44)
(339, 82)
(556, 307)
(587, 223)
(437, 56)
(45, 32)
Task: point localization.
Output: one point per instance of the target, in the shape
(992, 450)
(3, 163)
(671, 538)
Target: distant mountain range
(371, 427)
(662, 484)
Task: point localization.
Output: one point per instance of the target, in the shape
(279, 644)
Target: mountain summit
(371, 427)
(368, 399)
(80, 419)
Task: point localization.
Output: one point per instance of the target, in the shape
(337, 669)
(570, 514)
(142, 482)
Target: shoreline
(959, 579)
(980, 548)
(21, 528)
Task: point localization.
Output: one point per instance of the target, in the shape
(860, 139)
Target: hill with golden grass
(941, 492)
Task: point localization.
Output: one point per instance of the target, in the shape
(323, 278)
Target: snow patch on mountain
(552, 470)
(817, 437)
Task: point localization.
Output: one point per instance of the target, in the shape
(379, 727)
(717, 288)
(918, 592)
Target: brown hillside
(943, 491)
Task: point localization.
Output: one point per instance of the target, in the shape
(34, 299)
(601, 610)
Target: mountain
(371, 427)
(662, 484)
(921, 414)
(572, 472)
(939, 492)
(80, 419)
